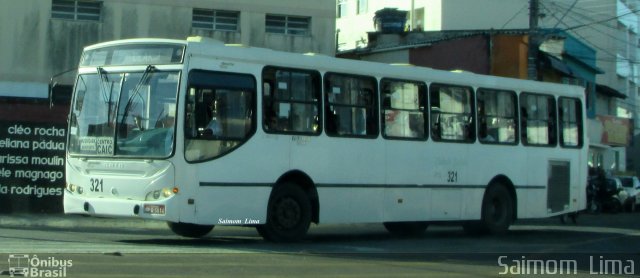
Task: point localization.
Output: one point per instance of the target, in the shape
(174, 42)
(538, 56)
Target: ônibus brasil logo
(33, 266)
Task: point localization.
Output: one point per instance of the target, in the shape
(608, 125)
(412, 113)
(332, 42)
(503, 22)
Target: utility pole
(532, 58)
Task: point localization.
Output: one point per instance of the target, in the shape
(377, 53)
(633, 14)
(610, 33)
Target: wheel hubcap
(288, 213)
(497, 210)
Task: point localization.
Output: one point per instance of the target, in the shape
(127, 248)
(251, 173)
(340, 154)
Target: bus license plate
(154, 209)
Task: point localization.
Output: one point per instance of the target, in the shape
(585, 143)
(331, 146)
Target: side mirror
(60, 93)
(52, 85)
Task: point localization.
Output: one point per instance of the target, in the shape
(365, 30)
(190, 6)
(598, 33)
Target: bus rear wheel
(497, 212)
(406, 228)
(190, 230)
(288, 215)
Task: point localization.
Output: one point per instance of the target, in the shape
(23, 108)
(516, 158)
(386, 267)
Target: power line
(601, 21)
(584, 11)
(565, 13)
(615, 57)
(592, 44)
(514, 16)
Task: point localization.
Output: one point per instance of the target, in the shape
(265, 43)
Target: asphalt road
(598, 244)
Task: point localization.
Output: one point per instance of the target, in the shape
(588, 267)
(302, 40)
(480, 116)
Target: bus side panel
(488, 162)
(232, 205)
(540, 160)
(409, 168)
(407, 204)
(335, 205)
(348, 173)
(238, 185)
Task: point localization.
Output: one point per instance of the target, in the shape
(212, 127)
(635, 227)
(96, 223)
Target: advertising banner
(31, 167)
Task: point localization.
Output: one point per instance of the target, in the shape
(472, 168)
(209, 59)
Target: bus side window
(220, 113)
(403, 109)
(452, 113)
(538, 119)
(291, 101)
(497, 116)
(570, 114)
(351, 105)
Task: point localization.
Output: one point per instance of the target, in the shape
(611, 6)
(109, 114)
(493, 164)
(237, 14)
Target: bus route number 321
(96, 185)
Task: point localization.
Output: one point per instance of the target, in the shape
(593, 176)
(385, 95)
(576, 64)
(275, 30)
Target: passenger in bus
(214, 127)
(271, 121)
(435, 124)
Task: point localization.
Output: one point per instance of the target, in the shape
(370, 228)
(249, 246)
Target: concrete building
(609, 27)
(355, 17)
(41, 38)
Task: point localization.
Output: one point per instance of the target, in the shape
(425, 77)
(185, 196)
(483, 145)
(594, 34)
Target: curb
(62, 221)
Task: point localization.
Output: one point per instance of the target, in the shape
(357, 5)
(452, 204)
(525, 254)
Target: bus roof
(208, 47)
(134, 41)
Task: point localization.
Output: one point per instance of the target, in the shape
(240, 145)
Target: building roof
(606, 90)
(417, 39)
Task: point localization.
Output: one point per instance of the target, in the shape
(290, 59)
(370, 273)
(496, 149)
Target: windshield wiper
(106, 96)
(136, 92)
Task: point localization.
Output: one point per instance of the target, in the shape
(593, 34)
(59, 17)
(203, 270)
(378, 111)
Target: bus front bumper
(165, 210)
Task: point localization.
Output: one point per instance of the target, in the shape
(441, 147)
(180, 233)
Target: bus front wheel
(288, 215)
(497, 212)
(190, 230)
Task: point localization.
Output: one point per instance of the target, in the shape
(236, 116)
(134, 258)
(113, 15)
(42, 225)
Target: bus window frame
(579, 123)
(374, 106)
(186, 133)
(523, 120)
(316, 79)
(472, 114)
(423, 93)
(516, 117)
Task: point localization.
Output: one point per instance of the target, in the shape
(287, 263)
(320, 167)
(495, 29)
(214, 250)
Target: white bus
(198, 134)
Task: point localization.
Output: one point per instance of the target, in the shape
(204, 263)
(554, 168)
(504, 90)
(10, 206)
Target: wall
(34, 47)
(393, 57)
(484, 14)
(437, 15)
(509, 56)
(471, 55)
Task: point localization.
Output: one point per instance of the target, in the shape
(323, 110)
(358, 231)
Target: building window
(403, 105)
(76, 10)
(343, 8)
(215, 20)
(570, 113)
(538, 119)
(363, 6)
(351, 103)
(290, 25)
(497, 116)
(452, 113)
(291, 101)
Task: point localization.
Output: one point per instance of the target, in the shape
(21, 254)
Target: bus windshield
(124, 114)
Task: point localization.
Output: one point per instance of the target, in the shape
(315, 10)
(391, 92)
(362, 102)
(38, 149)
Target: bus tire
(497, 213)
(190, 230)
(406, 228)
(288, 214)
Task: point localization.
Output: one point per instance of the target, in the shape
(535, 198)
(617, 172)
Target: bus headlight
(166, 192)
(159, 194)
